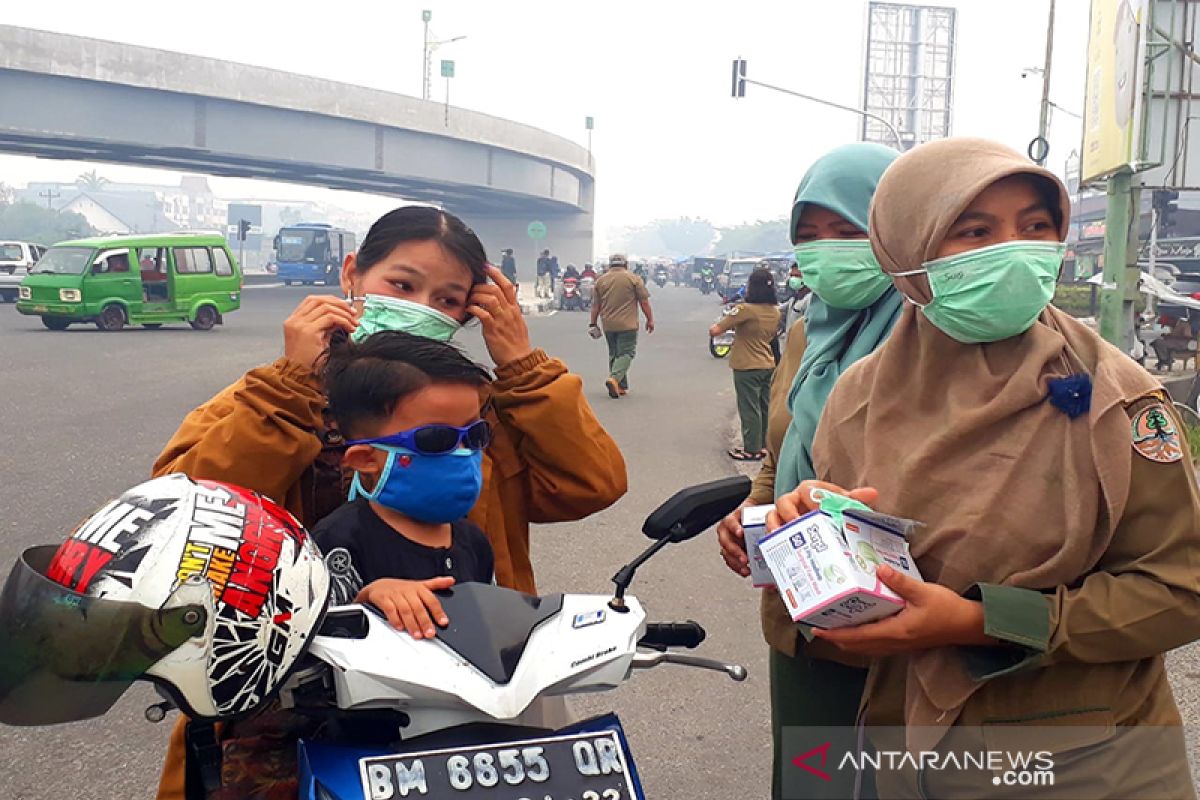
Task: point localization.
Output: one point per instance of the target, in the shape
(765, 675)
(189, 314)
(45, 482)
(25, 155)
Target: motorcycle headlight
(69, 295)
(25, 293)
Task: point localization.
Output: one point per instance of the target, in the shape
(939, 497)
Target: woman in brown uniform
(1061, 538)
(549, 461)
(756, 323)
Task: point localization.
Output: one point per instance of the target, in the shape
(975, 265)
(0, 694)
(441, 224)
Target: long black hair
(760, 287)
(422, 224)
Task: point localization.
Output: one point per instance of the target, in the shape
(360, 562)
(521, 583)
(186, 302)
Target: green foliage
(92, 181)
(1192, 434)
(29, 222)
(677, 238)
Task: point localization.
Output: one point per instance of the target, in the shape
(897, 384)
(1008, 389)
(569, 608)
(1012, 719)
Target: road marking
(261, 286)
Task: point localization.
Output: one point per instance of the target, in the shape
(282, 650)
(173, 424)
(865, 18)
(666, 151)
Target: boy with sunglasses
(409, 409)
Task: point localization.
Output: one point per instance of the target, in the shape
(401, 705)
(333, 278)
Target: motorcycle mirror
(696, 509)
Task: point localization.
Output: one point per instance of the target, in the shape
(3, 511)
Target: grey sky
(669, 139)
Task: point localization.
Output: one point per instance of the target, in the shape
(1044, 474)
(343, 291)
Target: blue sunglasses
(437, 440)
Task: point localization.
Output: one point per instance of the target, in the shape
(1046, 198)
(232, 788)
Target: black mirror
(696, 509)
(276, 241)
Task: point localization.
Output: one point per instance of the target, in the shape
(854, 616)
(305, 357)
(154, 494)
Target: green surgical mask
(842, 272)
(382, 313)
(795, 283)
(835, 505)
(992, 293)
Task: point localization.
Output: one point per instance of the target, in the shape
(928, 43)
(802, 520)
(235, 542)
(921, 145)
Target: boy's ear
(364, 458)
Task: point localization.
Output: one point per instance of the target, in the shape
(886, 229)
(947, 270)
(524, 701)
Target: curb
(537, 307)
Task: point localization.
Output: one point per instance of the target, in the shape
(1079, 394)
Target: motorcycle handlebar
(661, 635)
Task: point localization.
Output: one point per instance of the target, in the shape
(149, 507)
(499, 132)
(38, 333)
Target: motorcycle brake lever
(645, 660)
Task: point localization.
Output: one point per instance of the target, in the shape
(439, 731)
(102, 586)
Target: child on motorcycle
(409, 410)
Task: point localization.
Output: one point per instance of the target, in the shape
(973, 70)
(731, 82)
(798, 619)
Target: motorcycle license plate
(724, 339)
(582, 766)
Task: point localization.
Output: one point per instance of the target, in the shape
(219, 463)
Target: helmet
(209, 590)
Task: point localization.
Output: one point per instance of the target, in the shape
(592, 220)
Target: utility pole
(1122, 224)
(1044, 118)
(49, 194)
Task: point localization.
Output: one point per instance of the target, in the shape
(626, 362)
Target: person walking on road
(545, 268)
(756, 322)
(618, 295)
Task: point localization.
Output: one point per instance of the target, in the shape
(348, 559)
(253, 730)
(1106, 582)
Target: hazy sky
(669, 139)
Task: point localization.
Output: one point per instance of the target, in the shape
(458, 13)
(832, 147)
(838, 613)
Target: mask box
(826, 574)
(754, 524)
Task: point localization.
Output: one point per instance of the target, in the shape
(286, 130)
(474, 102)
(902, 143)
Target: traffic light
(243, 229)
(1164, 201)
(739, 77)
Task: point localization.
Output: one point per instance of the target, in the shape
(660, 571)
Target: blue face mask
(433, 489)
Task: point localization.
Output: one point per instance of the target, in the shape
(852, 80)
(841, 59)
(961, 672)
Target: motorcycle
(570, 299)
(660, 277)
(464, 706)
(720, 346)
(708, 282)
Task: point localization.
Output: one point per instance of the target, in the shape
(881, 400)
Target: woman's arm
(574, 467)
(260, 433)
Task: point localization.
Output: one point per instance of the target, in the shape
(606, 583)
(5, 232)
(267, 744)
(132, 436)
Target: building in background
(909, 75)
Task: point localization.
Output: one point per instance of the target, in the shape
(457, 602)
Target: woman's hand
(306, 332)
(408, 605)
(733, 542)
(933, 616)
(800, 501)
(504, 329)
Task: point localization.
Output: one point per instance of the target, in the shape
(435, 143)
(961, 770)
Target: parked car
(143, 280)
(19, 256)
(16, 258)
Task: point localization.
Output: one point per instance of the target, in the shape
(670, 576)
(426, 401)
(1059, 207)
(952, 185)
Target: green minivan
(145, 280)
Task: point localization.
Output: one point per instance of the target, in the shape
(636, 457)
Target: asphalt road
(87, 412)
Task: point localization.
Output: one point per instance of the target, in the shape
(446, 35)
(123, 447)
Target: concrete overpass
(70, 97)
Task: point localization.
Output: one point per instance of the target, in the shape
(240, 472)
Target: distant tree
(667, 237)
(92, 181)
(764, 236)
(291, 216)
(6, 193)
(29, 222)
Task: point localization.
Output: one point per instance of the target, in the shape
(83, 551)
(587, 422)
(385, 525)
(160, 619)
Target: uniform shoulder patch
(1155, 436)
(733, 311)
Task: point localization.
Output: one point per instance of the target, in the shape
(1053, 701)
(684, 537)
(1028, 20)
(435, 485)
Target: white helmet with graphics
(207, 589)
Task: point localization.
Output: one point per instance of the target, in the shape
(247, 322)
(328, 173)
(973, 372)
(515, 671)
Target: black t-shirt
(361, 548)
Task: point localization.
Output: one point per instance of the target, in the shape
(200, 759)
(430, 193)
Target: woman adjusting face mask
(382, 313)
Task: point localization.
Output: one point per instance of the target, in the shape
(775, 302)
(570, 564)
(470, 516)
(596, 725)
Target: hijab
(842, 181)
(961, 437)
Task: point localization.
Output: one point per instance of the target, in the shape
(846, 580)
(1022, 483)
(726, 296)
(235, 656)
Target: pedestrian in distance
(853, 308)
(1059, 505)
(545, 270)
(617, 297)
(508, 265)
(756, 325)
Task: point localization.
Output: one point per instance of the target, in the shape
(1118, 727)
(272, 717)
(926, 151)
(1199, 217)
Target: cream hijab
(963, 438)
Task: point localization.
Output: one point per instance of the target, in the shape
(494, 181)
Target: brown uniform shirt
(755, 326)
(618, 292)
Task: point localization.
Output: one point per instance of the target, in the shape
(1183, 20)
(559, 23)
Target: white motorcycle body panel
(586, 647)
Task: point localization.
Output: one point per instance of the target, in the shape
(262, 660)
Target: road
(86, 413)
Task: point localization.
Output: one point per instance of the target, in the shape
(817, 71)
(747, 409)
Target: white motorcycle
(463, 715)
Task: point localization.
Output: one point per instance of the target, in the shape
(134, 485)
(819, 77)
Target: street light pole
(1044, 118)
(891, 128)
(425, 17)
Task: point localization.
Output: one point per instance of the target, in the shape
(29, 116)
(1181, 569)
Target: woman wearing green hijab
(853, 308)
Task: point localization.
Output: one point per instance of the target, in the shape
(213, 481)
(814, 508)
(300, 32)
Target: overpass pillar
(568, 236)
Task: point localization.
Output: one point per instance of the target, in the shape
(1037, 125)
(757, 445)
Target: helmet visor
(69, 656)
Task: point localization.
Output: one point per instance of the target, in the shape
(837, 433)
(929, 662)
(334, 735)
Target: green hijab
(844, 182)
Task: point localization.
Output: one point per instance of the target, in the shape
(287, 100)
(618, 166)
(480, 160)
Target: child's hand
(408, 605)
